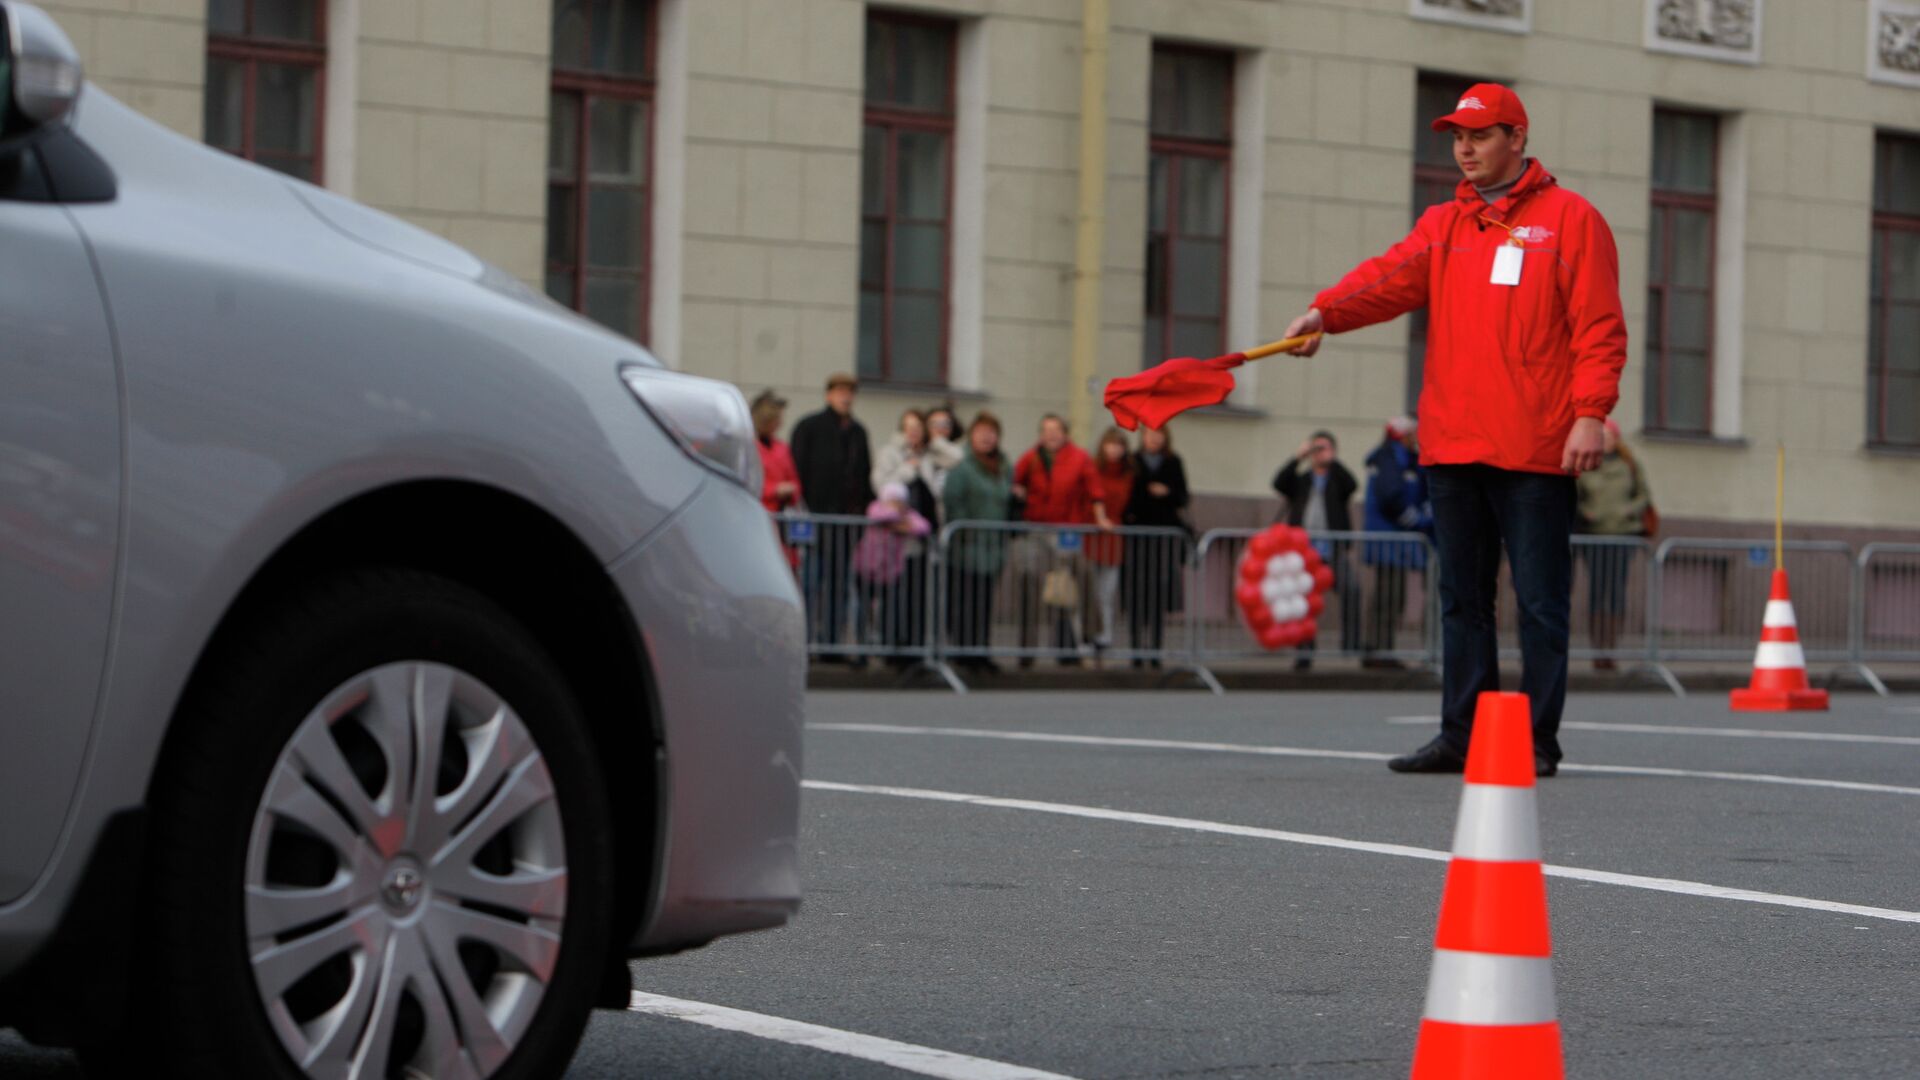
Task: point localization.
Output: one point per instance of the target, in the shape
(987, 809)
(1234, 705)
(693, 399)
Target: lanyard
(1511, 238)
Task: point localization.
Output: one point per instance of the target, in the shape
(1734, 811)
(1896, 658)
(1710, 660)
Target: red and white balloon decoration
(1282, 589)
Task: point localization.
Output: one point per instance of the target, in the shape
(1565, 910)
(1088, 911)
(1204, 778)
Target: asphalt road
(1118, 949)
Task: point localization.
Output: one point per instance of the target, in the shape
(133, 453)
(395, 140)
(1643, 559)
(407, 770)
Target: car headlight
(707, 417)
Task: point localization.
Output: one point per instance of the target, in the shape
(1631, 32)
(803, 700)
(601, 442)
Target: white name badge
(1506, 265)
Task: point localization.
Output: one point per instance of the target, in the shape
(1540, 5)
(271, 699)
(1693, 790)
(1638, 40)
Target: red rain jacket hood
(1508, 367)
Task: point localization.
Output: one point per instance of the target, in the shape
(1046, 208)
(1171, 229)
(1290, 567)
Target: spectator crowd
(1097, 560)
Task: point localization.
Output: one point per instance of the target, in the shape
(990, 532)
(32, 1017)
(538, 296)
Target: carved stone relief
(1716, 29)
(1513, 16)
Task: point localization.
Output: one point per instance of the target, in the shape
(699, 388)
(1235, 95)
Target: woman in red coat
(1059, 485)
(780, 483)
(1114, 470)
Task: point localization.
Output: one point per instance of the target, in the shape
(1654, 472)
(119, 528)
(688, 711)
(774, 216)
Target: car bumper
(723, 627)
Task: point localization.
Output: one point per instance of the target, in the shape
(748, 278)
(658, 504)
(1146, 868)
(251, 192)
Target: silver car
(386, 654)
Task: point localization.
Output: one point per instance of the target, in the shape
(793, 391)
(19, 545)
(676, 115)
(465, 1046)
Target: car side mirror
(41, 69)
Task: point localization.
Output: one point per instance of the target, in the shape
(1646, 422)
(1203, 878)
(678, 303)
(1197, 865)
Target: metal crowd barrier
(1065, 593)
(869, 589)
(1381, 606)
(1711, 598)
(1886, 609)
(980, 594)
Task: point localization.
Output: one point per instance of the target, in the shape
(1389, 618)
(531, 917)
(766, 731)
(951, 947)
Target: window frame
(1176, 148)
(1880, 305)
(586, 86)
(252, 51)
(893, 120)
(1662, 202)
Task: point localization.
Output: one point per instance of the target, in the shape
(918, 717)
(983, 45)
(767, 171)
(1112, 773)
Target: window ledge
(945, 393)
(1231, 412)
(1682, 438)
(1891, 450)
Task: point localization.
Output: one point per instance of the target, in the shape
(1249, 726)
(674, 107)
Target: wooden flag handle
(1287, 345)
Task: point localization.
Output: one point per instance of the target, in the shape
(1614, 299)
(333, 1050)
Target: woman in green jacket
(980, 488)
(1614, 501)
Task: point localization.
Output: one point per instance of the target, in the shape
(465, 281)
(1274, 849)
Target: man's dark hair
(1058, 419)
(1327, 435)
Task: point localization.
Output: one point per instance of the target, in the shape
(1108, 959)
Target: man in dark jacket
(1319, 491)
(831, 453)
(1396, 502)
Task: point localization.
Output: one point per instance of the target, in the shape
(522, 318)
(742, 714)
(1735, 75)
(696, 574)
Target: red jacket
(1508, 368)
(1115, 487)
(1062, 495)
(776, 467)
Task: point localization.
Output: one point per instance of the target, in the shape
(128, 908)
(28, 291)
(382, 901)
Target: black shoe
(1435, 757)
(1026, 662)
(986, 667)
(1544, 766)
(1069, 661)
(1138, 663)
(1303, 664)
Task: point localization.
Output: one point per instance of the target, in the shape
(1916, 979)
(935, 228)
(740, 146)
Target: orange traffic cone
(1779, 666)
(1490, 1009)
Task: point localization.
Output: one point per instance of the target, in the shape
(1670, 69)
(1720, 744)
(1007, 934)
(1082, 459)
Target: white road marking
(906, 1057)
(1576, 873)
(1349, 755)
(1721, 732)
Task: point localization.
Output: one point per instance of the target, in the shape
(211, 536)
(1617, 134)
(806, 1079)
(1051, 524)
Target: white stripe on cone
(1488, 989)
(1497, 824)
(1780, 654)
(1779, 614)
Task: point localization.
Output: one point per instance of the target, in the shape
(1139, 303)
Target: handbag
(1649, 522)
(1060, 589)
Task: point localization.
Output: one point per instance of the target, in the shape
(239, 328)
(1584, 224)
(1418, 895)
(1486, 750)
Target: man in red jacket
(1059, 485)
(1525, 343)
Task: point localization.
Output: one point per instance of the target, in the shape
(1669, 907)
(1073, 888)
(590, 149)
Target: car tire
(374, 656)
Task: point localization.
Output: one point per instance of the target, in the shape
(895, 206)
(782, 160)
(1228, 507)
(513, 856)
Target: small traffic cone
(1490, 1009)
(1779, 666)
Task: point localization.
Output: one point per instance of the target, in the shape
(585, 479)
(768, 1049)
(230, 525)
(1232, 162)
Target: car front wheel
(381, 846)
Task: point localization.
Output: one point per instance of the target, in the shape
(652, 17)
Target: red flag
(1164, 391)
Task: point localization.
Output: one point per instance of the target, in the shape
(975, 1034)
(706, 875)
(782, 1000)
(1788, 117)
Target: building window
(906, 204)
(1893, 339)
(1435, 180)
(1189, 169)
(599, 161)
(1680, 256)
(266, 78)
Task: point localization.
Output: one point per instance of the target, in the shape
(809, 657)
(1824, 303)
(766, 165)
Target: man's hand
(1159, 490)
(785, 489)
(1309, 323)
(1586, 445)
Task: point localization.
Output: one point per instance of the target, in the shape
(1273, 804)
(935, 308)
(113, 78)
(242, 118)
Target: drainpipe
(1091, 220)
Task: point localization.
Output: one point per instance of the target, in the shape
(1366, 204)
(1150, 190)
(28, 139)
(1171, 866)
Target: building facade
(1004, 203)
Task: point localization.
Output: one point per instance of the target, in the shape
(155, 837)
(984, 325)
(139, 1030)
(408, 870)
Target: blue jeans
(1477, 508)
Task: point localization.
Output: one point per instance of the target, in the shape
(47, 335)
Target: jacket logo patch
(1469, 103)
(1533, 234)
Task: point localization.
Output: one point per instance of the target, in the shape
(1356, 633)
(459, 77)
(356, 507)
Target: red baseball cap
(1485, 105)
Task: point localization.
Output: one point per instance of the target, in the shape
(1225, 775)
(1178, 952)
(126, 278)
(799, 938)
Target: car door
(60, 480)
